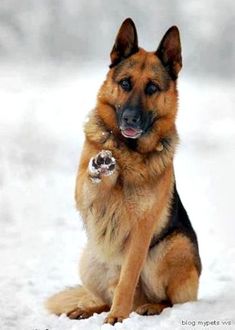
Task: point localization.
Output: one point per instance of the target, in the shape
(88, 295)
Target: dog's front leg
(96, 177)
(130, 272)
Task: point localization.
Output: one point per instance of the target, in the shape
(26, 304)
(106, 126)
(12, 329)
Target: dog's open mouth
(131, 133)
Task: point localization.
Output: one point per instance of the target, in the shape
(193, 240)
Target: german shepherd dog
(142, 252)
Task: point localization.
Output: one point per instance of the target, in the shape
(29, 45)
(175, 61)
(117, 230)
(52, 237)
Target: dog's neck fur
(160, 153)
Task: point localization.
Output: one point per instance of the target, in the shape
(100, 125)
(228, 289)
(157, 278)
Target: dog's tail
(71, 298)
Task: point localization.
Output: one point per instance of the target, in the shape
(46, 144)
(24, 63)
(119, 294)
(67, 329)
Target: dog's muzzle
(131, 123)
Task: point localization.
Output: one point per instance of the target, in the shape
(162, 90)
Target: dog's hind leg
(76, 302)
(170, 275)
(183, 287)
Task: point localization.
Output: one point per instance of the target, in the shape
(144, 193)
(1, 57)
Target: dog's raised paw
(103, 164)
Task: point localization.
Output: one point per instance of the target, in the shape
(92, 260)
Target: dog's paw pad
(102, 164)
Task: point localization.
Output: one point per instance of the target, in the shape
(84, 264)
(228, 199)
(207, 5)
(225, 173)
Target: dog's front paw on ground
(111, 319)
(103, 164)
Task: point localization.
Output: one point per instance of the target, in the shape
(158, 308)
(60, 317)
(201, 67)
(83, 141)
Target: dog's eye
(151, 88)
(125, 84)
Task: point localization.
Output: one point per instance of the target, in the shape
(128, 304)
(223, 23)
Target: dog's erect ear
(126, 42)
(169, 52)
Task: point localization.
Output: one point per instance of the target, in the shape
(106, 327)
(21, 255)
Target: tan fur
(67, 300)
(125, 210)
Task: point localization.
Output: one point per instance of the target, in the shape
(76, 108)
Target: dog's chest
(110, 221)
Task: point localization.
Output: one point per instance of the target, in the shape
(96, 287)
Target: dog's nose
(131, 117)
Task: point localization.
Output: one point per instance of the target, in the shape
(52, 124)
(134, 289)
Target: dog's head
(140, 89)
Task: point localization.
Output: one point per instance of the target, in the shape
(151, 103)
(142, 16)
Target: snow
(42, 113)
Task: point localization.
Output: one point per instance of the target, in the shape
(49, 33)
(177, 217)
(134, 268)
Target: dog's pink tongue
(130, 132)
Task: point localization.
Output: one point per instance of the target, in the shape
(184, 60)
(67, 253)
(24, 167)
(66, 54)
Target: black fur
(178, 223)
(131, 144)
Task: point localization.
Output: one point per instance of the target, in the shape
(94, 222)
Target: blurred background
(53, 57)
(75, 32)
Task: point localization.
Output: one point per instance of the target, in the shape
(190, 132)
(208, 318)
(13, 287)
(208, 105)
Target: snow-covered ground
(41, 117)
